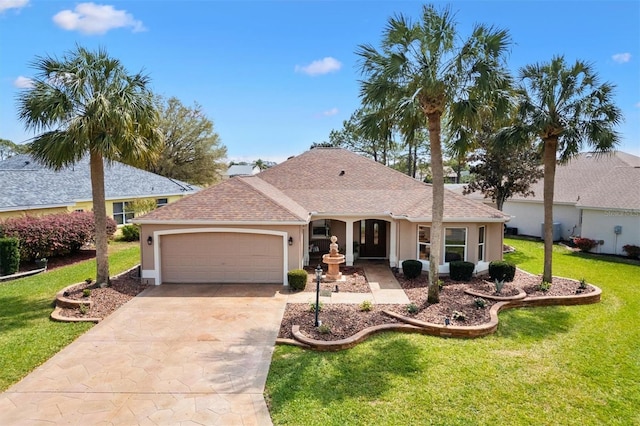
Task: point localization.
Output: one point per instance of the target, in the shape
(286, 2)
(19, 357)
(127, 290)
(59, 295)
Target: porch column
(393, 249)
(349, 242)
(305, 245)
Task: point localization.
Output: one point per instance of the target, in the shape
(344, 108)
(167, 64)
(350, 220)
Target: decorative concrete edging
(22, 274)
(521, 295)
(465, 332)
(63, 302)
(349, 342)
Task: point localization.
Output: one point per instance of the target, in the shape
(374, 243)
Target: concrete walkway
(177, 354)
(385, 289)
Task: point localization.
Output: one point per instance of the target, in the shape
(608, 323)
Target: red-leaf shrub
(585, 244)
(632, 251)
(53, 235)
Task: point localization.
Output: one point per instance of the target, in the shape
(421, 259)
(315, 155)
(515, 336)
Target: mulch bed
(346, 320)
(105, 300)
(354, 281)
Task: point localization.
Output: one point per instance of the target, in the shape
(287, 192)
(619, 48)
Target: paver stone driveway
(176, 354)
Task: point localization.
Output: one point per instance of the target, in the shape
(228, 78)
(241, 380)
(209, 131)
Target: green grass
(27, 336)
(576, 365)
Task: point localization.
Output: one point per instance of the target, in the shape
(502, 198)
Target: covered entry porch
(358, 238)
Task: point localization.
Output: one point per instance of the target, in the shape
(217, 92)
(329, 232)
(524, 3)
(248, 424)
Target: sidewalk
(385, 289)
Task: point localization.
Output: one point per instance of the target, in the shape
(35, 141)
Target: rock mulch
(105, 300)
(345, 320)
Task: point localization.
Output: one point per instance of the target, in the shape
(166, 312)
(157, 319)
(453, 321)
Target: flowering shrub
(632, 251)
(52, 235)
(585, 244)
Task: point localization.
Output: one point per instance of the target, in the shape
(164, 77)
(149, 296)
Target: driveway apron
(176, 354)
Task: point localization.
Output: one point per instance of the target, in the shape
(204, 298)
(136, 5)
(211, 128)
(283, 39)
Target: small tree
(500, 172)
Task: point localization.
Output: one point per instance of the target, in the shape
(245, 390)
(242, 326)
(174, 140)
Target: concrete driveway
(176, 354)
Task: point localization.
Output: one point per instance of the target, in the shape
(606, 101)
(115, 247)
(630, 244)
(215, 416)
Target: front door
(373, 238)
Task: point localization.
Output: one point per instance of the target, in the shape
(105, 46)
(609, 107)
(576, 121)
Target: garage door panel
(221, 257)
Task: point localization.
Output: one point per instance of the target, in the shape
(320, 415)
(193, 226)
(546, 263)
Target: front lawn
(27, 336)
(570, 365)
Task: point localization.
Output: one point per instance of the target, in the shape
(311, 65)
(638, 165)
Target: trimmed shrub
(632, 251)
(54, 234)
(9, 256)
(585, 244)
(130, 233)
(297, 279)
(411, 268)
(502, 270)
(461, 270)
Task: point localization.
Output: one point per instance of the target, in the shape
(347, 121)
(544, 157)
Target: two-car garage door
(221, 257)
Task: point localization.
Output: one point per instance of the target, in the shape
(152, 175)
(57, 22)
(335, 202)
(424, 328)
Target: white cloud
(91, 18)
(319, 67)
(621, 58)
(638, 105)
(23, 82)
(12, 4)
(329, 113)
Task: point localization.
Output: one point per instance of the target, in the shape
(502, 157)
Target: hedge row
(52, 235)
(9, 256)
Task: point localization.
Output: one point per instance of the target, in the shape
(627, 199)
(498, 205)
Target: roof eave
(216, 222)
(456, 219)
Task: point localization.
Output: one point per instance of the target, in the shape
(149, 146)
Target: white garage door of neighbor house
(220, 257)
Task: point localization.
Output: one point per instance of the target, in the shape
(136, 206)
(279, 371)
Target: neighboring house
(241, 170)
(596, 196)
(256, 228)
(33, 189)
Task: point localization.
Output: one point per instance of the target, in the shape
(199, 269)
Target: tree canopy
(9, 149)
(86, 103)
(192, 150)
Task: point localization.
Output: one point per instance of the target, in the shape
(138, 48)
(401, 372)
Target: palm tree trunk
(100, 215)
(437, 206)
(550, 149)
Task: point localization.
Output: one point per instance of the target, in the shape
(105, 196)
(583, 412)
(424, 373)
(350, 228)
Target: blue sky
(276, 76)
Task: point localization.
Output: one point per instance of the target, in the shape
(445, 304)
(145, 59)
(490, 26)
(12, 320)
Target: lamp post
(318, 278)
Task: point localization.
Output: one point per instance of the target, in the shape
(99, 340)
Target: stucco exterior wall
(599, 225)
(408, 240)
(33, 212)
(527, 217)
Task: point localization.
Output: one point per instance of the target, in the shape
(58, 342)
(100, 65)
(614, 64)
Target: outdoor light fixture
(290, 241)
(318, 278)
(150, 240)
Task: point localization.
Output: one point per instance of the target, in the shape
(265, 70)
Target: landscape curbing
(465, 332)
(63, 302)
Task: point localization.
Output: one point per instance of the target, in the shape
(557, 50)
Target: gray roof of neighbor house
(27, 184)
(595, 180)
(322, 181)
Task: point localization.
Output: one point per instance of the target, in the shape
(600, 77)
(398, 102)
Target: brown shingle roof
(322, 180)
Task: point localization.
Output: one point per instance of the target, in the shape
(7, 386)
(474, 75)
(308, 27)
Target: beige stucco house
(256, 228)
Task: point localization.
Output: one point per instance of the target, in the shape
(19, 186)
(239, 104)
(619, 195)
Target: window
(162, 202)
(424, 242)
(455, 244)
(481, 244)
(122, 212)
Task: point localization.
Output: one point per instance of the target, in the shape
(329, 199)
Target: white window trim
(419, 244)
(123, 213)
(483, 244)
(445, 245)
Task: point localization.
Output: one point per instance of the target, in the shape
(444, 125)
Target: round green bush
(502, 270)
(461, 271)
(411, 268)
(297, 279)
(130, 233)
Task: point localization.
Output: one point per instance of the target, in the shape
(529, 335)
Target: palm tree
(565, 107)
(87, 103)
(443, 77)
